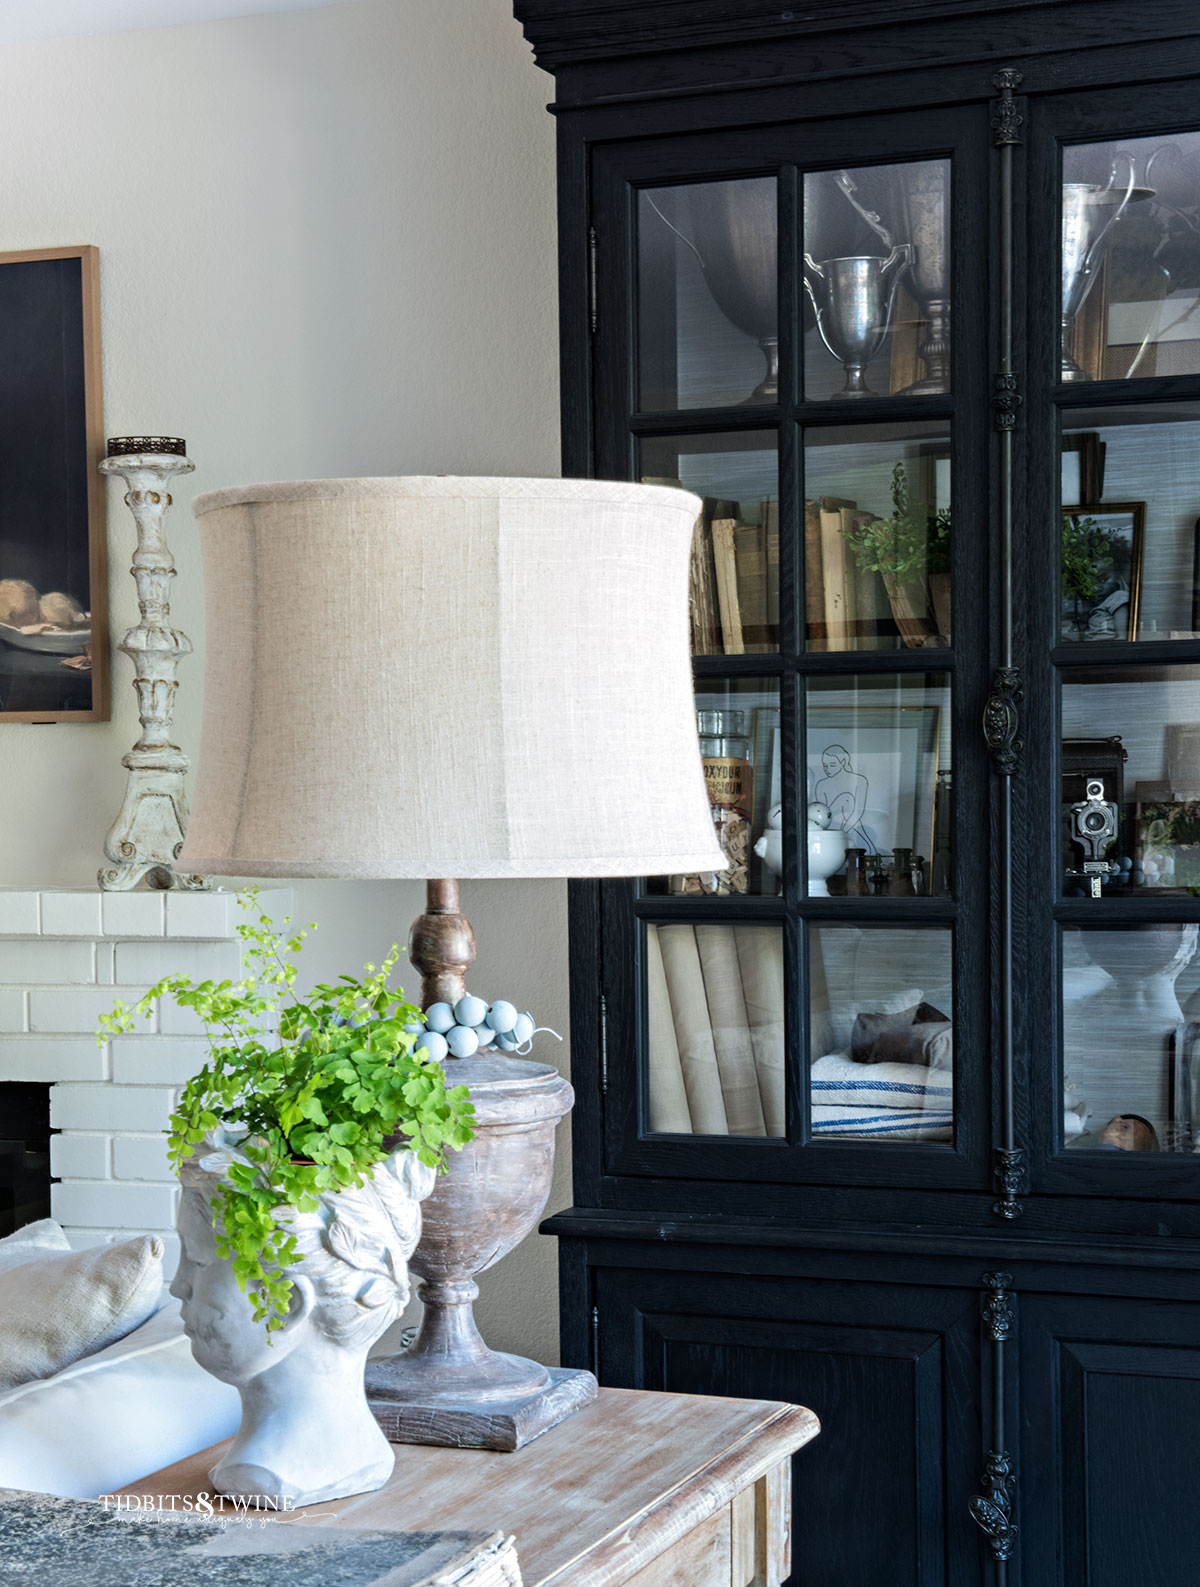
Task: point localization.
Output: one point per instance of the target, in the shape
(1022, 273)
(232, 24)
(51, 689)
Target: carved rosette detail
(1010, 1175)
(1006, 400)
(1002, 720)
(999, 1314)
(1006, 118)
(992, 1510)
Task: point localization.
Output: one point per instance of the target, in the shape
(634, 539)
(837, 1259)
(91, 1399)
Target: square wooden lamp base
(504, 1425)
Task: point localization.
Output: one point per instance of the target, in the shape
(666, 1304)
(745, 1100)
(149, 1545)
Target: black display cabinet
(896, 1115)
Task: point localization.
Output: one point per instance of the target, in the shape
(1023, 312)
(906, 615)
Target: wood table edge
(664, 1522)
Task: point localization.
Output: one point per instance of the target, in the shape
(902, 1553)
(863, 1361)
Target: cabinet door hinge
(592, 277)
(604, 1046)
(595, 1341)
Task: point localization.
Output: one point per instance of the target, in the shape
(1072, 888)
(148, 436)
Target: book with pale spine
(693, 1029)
(837, 563)
(668, 1103)
(725, 559)
(814, 579)
(702, 604)
(760, 959)
(750, 546)
(730, 1029)
(872, 610)
(770, 519)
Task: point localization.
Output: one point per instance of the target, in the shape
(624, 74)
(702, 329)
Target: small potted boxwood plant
(911, 552)
(320, 1084)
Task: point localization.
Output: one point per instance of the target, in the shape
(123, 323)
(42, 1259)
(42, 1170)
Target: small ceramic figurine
(1129, 1132)
(306, 1433)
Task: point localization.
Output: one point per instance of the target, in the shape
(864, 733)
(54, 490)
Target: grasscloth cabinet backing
(898, 1115)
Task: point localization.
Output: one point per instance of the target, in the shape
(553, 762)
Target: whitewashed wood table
(636, 1490)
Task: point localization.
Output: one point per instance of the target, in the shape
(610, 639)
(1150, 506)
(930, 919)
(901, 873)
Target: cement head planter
(300, 1210)
(306, 1433)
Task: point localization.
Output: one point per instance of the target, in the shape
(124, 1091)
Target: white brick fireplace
(66, 956)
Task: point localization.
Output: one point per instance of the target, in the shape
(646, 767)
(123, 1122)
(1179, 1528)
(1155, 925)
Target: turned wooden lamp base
(449, 1388)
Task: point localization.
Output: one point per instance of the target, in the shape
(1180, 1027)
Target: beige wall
(327, 248)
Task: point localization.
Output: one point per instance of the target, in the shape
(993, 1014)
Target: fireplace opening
(24, 1154)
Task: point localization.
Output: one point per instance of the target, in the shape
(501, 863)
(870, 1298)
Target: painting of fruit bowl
(54, 624)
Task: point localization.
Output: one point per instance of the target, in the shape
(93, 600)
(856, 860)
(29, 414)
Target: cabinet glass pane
(1131, 1018)
(707, 288)
(877, 279)
(738, 724)
(714, 996)
(877, 536)
(1130, 497)
(1131, 781)
(1131, 258)
(735, 554)
(878, 786)
(881, 1033)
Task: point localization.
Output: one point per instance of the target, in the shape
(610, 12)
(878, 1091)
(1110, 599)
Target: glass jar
(729, 778)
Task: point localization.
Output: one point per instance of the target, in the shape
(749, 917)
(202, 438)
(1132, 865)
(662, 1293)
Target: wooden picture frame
(52, 498)
(1126, 518)
(892, 750)
(1082, 471)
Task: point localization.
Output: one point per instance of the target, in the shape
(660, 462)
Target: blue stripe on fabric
(883, 1085)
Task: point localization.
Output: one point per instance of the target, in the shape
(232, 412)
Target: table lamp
(442, 678)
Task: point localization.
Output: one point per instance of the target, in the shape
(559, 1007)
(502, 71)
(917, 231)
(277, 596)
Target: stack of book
(716, 1030)
(735, 576)
(846, 606)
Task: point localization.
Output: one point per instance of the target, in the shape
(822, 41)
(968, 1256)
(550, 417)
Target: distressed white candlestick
(148, 833)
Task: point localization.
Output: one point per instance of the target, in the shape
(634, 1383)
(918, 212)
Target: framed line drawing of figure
(875, 767)
(54, 647)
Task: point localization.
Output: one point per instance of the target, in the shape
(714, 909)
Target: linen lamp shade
(433, 676)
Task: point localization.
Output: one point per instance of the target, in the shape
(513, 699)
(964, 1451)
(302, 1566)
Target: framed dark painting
(53, 566)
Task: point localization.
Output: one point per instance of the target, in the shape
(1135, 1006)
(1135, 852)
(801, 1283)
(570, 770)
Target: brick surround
(65, 956)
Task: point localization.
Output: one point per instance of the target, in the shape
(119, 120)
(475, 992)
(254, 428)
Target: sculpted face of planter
(306, 1434)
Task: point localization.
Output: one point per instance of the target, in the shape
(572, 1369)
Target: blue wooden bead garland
(472, 1024)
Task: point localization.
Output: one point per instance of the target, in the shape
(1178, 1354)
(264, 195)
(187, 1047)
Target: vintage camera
(1093, 821)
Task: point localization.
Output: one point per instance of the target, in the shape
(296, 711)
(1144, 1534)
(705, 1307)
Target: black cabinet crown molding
(575, 32)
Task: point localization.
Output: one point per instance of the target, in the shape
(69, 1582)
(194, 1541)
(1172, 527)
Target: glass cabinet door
(1124, 680)
(792, 365)
(1130, 287)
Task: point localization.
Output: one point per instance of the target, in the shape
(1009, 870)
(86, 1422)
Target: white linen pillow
(130, 1409)
(32, 1242)
(57, 1308)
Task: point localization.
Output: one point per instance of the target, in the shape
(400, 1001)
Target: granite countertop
(51, 1542)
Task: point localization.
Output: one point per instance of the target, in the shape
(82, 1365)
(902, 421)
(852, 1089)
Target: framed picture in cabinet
(1103, 548)
(1082, 467)
(875, 767)
(53, 578)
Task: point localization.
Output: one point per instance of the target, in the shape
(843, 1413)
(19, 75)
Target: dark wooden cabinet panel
(1112, 1396)
(892, 1372)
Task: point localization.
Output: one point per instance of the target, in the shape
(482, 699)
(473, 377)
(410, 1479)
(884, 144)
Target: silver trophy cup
(1089, 213)
(853, 299)
(924, 191)
(730, 227)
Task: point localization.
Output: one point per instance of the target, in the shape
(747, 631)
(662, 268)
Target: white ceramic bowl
(826, 851)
